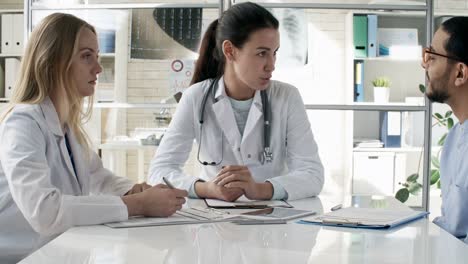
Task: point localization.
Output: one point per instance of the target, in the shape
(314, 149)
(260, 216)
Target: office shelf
(7, 55)
(122, 6)
(402, 149)
(338, 6)
(8, 11)
(368, 107)
(134, 105)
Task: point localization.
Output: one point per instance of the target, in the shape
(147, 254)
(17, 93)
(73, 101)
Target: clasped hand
(237, 177)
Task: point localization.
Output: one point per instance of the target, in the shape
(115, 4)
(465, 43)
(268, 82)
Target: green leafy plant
(381, 82)
(411, 186)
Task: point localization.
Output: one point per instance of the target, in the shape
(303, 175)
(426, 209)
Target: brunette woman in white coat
(253, 134)
(50, 180)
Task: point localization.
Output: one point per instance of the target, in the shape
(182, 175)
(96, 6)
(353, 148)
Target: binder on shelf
(390, 129)
(371, 35)
(11, 72)
(17, 37)
(7, 34)
(358, 81)
(2, 81)
(360, 36)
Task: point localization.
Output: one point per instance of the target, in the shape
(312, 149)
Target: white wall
(323, 81)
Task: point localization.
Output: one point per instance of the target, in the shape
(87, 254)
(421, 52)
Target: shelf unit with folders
(340, 97)
(11, 48)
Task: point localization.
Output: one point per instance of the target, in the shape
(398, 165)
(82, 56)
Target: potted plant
(412, 186)
(381, 89)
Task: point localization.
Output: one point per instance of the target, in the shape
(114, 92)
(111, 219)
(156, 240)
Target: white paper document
(245, 203)
(193, 215)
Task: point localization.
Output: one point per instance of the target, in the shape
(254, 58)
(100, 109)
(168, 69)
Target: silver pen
(336, 207)
(168, 183)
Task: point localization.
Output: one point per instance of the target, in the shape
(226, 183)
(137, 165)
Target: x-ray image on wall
(293, 34)
(164, 33)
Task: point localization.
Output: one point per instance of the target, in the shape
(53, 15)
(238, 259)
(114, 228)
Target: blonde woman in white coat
(225, 112)
(50, 180)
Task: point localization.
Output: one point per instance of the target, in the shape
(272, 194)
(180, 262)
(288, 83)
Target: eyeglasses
(427, 52)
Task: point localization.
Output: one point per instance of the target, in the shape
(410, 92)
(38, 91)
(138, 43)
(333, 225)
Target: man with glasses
(446, 65)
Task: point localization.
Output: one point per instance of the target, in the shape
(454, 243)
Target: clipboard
(370, 218)
(244, 203)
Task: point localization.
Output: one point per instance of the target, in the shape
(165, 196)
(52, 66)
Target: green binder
(360, 36)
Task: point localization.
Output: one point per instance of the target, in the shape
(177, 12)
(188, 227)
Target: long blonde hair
(46, 66)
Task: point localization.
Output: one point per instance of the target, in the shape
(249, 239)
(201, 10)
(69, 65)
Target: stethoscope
(266, 155)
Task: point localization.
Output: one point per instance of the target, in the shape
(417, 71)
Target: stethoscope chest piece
(266, 156)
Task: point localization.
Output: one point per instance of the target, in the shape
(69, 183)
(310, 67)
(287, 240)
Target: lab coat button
(249, 156)
(238, 149)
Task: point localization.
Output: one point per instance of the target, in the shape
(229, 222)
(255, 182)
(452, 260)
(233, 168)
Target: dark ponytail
(236, 24)
(209, 65)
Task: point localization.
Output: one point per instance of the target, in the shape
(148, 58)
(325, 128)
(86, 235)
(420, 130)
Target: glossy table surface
(417, 242)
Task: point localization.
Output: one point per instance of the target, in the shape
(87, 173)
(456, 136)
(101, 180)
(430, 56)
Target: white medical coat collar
(225, 116)
(221, 94)
(51, 116)
(53, 123)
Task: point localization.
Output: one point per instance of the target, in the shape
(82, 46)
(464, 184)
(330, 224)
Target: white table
(417, 242)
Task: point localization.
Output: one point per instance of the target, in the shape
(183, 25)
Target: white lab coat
(296, 164)
(40, 196)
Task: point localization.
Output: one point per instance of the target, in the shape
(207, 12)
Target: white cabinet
(382, 172)
(373, 173)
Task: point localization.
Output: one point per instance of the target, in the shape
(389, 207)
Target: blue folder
(358, 81)
(371, 35)
(390, 140)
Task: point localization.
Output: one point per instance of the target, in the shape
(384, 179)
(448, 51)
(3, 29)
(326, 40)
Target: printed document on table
(245, 203)
(192, 215)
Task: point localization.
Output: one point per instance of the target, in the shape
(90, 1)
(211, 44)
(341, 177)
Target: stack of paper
(192, 215)
(367, 143)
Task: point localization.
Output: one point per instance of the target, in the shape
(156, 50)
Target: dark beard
(438, 96)
(438, 92)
